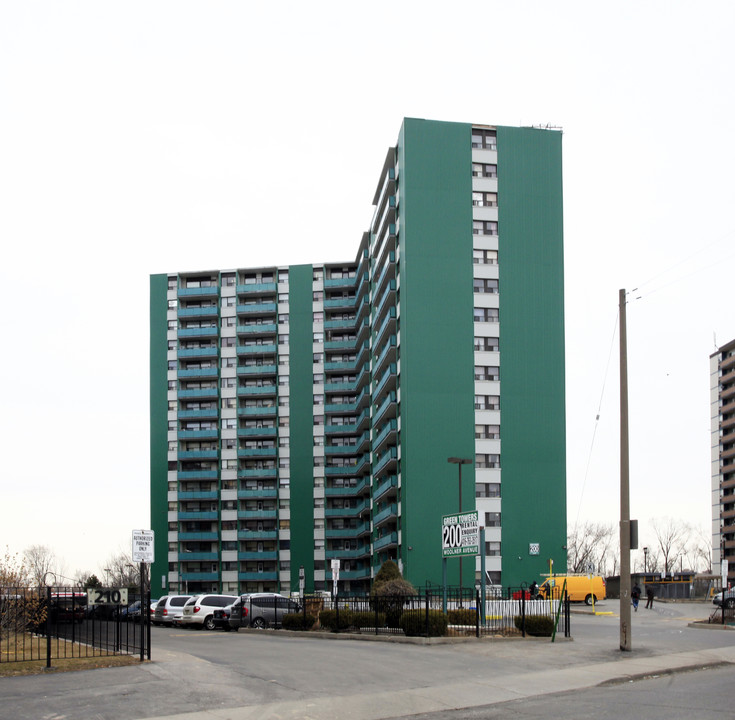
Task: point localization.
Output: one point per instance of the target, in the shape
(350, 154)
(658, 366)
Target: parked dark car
(131, 612)
(261, 610)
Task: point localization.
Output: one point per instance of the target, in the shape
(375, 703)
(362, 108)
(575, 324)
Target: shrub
(328, 619)
(366, 618)
(413, 623)
(537, 625)
(298, 621)
(464, 616)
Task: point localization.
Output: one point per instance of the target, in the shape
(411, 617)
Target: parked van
(580, 588)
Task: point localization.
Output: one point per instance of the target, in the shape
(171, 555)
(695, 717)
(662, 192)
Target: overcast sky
(148, 137)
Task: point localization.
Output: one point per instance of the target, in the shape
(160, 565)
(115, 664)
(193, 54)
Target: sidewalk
(378, 706)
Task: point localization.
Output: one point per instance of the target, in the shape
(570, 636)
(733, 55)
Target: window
(492, 548)
(229, 362)
(172, 364)
(282, 297)
(487, 460)
(487, 490)
(318, 274)
(229, 423)
(283, 277)
(485, 257)
(172, 283)
(228, 342)
(172, 304)
(484, 170)
(485, 199)
(229, 464)
(484, 432)
(487, 402)
(230, 403)
(229, 444)
(228, 280)
(283, 339)
(487, 372)
(172, 444)
(484, 227)
(318, 296)
(318, 317)
(229, 321)
(487, 343)
(318, 337)
(172, 324)
(486, 314)
(283, 318)
(492, 519)
(485, 285)
(484, 139)
(229, 382)
(229, 301)
(172, 344)
(172, 384)
(318, 358)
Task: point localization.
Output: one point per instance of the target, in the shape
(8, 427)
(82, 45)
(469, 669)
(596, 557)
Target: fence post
(336, 607)
(523, 611)
(426, 613)
(48, 627)
(477, 613)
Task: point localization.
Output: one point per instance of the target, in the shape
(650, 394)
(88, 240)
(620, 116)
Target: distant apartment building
(304, 414)
(722, 399)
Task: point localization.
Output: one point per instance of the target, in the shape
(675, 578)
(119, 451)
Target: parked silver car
(725, 599)
(199, 610)
(261, 610)
(169, 609)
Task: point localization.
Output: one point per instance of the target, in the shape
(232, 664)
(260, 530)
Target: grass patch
(65, 656)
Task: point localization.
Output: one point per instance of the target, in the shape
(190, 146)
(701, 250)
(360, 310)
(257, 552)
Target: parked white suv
(199, 610)
(169, 608)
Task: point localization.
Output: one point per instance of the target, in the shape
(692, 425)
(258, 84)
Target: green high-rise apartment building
(307, 413)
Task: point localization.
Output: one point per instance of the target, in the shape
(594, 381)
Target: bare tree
(119, 571)
(671, 536)
(590, 545)
(41, 560)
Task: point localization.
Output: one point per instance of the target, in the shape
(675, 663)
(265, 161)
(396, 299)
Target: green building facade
(306, 414)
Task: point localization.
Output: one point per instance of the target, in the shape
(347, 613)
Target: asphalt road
(259, 674)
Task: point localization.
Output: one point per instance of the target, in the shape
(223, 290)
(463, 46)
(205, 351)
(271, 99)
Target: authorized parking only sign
(460, 534)
(143, 546)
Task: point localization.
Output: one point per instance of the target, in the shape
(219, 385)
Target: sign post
(460, 538)
(143, 553)
(335, 576)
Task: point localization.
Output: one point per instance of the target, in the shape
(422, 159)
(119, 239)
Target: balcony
(198, 372)
(257, 534)
(258, 473)
(386, 487)
(199, 576)
(197, 434)
(271, 369)
(346, 283)
(264, 576)
(387, 326)
(205, 413)
(269, 349)
(198, 312)
(386, 409)
(380, 385)
(385, 514)
(260, 329)
(203, 515)
(385, 542)
(260, 555)
(198, 454)
(386, 432)
(340, 303)
(198, 495)
(263, 308)
(345, 387)
(340, 344)
(259, 411)
(349, 512)
(347, 532)
(197, 474)
(269, 514)
(339, 554)
(211, 392)
(247, 390)
(352, 428)
(245, 453)
(387, 461)
(257, 432)
(199, 536)
(201, 352)
(197, 332)
(348, 490)
(198, 292)
(258, 288)
(185, 556)
(257, 494)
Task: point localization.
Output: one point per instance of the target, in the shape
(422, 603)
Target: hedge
(413, 623)
(297, 621)
(537, 625)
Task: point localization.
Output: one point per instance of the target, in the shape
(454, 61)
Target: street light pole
(459, 462)
(645, 560)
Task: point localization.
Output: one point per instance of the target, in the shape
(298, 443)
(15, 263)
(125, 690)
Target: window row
(485, 315)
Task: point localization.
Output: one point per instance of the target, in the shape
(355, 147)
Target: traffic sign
(143, 546)
(460, 534)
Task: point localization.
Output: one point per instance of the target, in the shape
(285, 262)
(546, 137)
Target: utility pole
(625, 615)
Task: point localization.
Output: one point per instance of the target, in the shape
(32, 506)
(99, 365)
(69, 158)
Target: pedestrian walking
(649, 595)
(635, 594)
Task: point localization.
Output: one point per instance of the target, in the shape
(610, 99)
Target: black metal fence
(434, 613)
(55, 623)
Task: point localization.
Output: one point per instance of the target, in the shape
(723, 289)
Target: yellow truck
(580, 588)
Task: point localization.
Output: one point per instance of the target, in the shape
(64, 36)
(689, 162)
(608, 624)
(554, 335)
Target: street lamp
(645, 560)
(459, 462)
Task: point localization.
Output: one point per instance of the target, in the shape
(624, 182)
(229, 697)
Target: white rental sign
(143, 546)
